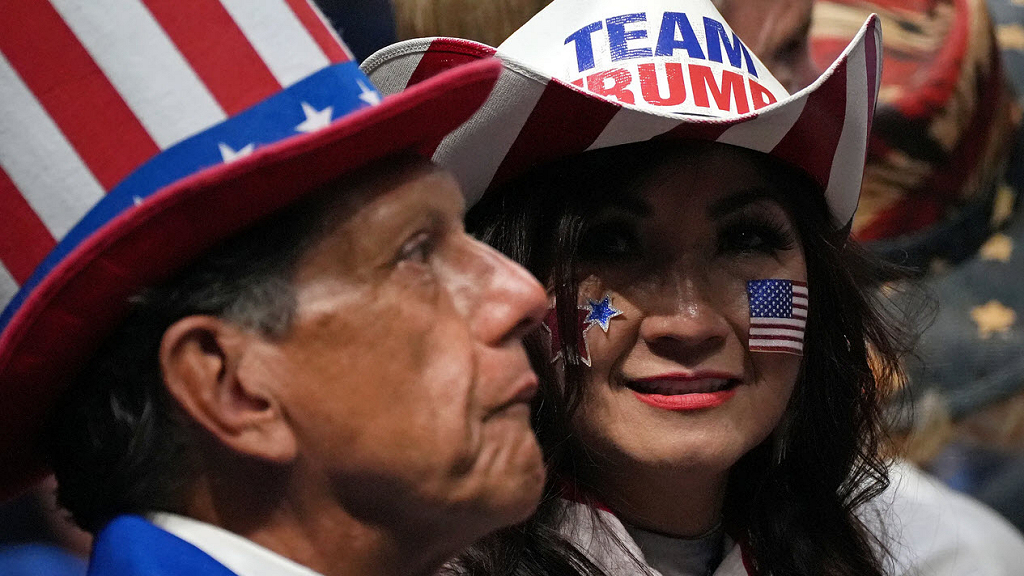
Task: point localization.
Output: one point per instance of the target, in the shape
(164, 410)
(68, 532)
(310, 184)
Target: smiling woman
(680, 426)
(680, 345)
(712, 358)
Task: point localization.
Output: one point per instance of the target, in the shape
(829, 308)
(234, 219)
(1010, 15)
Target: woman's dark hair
(791, 501)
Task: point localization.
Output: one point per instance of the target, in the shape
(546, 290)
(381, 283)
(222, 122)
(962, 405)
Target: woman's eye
(609, 241)
(766, 238)
(743, 240)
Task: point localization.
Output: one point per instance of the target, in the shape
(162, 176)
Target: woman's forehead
(715, 180)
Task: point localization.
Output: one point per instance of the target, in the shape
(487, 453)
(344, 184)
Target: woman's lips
(684, 391)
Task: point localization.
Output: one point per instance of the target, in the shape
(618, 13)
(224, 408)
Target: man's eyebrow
(738, 200)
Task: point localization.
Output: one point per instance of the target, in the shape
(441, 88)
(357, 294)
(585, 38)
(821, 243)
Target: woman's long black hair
(791, 501)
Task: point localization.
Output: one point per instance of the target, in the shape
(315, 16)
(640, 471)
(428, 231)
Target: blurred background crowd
(941, 197)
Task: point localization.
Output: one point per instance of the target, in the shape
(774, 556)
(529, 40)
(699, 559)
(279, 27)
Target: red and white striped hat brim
(533, 117)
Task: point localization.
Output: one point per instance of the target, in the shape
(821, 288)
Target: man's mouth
(522, 393)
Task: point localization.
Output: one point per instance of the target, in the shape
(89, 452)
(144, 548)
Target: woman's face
(675, 256)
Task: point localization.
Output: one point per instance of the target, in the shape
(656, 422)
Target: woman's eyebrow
(741, 199)
(630, 204)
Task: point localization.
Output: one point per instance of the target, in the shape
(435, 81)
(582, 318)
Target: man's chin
(514, 482)
(530, 490)
(520, 488)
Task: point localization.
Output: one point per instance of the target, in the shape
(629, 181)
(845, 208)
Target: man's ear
(207, 366)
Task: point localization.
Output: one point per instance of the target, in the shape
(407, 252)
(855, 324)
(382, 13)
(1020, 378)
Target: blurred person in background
(366, 25)
(942, 195)
(777, 31)
(369, 25)
(487, 21)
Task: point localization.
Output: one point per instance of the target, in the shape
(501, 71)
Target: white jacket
(930, 530)
(613, 550)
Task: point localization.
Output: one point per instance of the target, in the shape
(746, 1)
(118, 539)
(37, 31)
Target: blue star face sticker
(601, 312)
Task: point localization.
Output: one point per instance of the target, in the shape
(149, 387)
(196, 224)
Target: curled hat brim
(65, 318)
(532, 118)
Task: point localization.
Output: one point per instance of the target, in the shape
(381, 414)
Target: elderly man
(292, 362)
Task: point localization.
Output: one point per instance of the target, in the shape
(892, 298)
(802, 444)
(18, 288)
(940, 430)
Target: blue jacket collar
(131, 546)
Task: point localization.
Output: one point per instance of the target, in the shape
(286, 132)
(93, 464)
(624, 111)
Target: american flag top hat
(589, 74)
(135, 134)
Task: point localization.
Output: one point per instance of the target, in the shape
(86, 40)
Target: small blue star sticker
(601, 312)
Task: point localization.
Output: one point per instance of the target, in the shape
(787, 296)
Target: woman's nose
(684, 318)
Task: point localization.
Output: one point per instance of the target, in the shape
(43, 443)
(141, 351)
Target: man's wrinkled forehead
(341, 202)
(403, 185)
(354, 190)
(364, 214)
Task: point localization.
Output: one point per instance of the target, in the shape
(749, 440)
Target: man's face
(403, 375)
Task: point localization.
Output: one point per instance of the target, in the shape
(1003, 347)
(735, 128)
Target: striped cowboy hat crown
(583, 75)
(136, 135)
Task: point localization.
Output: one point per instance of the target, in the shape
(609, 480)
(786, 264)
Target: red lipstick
(684, 392)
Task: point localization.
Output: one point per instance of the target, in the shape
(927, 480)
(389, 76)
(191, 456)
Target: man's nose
(512, 301)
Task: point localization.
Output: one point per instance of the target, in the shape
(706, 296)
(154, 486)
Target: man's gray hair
(116, 440)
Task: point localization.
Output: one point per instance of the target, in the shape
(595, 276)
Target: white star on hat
(230, 155)
(315, 119)
(368, 95)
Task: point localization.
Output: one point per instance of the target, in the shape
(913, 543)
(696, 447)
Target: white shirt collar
(240, 555)
(607, 543)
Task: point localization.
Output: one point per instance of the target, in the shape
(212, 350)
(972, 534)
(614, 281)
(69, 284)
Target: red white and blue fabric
(147, 103)
(778, 315)
(552, 327)
(659, 69)
(136, 134)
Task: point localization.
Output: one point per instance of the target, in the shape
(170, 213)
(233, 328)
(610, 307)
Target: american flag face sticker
(778, 315)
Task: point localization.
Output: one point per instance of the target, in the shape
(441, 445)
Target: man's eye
(418, 249)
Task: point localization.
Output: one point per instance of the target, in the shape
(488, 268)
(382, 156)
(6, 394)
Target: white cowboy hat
(585, 74)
